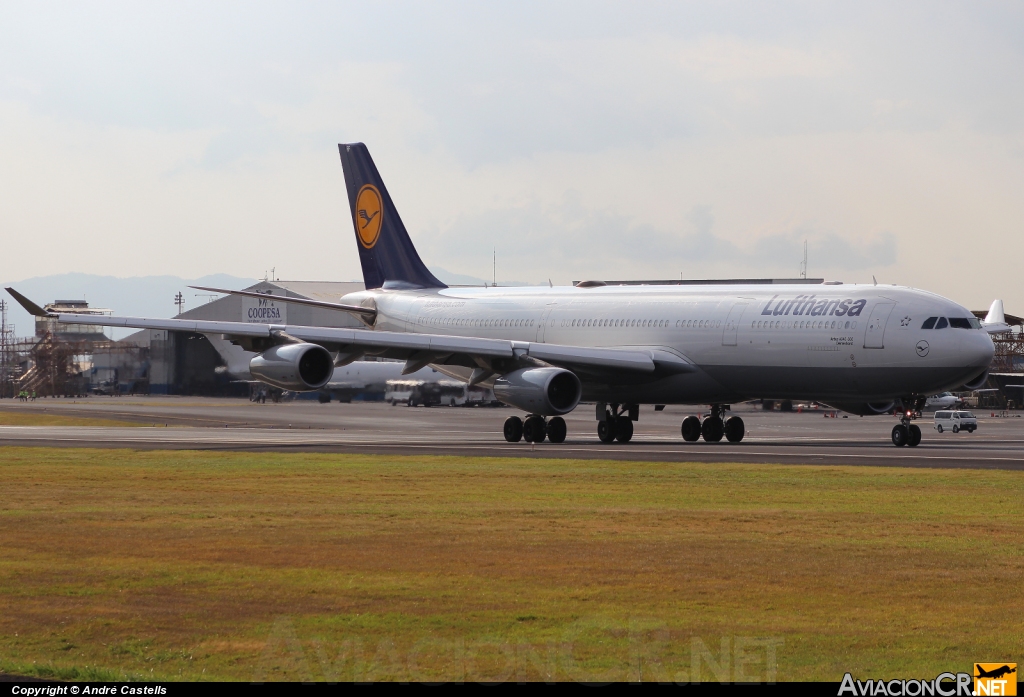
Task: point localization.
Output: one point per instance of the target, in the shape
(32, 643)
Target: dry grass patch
(243, 566)
(36, 418)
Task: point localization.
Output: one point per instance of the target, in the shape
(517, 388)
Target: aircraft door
(732, 324)
(543, 321)
(875, 333)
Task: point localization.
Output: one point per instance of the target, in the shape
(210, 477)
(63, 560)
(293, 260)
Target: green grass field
(271, 566)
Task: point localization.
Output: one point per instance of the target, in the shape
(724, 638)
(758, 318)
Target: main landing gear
(905, 432)
(535, 429)
(713, 428)
(615, 422)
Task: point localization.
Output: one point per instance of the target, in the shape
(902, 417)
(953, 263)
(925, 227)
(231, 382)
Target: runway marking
(550, 450)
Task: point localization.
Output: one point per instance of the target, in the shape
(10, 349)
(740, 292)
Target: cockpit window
(960, 322)
(975, 322)
(942, 323)
(929, 323)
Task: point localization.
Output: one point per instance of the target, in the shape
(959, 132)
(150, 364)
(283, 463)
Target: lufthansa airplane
(863, 349)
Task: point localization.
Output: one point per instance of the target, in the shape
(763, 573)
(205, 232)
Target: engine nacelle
(978, 382)
(294, 366)
(865, 408)
(544, 391)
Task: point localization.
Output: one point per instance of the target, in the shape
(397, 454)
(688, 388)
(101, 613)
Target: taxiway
(232, 424)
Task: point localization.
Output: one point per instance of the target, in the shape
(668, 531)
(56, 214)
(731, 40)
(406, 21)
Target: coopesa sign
(264, 311)
(814, 306)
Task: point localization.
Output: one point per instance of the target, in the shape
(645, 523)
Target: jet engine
(977, 382)
(865, 408)
(298, 366)
(543, 391)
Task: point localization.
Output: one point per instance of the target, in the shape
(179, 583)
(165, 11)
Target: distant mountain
(140, 296)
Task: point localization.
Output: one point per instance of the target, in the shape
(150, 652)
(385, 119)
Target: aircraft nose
(978, 350)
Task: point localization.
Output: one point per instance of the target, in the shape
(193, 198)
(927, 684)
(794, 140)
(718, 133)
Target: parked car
(955, 421)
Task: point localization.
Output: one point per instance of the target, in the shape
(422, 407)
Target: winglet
(30, 306)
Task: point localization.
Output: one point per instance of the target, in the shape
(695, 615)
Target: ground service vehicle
(955, 421)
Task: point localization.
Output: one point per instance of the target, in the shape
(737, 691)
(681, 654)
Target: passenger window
(942, 323)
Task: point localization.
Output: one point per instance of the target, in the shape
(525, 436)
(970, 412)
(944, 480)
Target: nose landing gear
(905, 432)
(713, 428)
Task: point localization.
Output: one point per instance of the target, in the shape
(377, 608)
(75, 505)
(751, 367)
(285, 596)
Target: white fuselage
(824, 342)
(941, 401)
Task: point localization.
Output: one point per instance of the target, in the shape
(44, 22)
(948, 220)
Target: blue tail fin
(385, 250)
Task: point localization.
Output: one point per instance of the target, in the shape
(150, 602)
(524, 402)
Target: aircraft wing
(418, 349)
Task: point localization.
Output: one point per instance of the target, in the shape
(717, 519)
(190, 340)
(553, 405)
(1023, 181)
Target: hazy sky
(581, 140)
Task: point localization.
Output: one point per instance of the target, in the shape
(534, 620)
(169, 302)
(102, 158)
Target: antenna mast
(494, 267)
(803, 264)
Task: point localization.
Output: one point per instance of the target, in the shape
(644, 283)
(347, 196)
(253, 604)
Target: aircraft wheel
(900, 435)
(939, 428)
(556, 430)
(914, 435)
(691, 429)
(623, 429)
(712, 429)
(734, 430)
(513, 429)
(533, 429)
(605, 431)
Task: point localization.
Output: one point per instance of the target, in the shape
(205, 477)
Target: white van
(955, 421)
